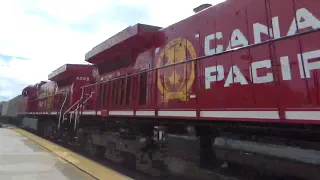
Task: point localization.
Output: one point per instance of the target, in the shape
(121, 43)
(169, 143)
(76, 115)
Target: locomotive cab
(70, 78)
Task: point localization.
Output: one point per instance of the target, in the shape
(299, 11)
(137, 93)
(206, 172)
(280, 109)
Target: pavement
(21, 158)
(26, 156)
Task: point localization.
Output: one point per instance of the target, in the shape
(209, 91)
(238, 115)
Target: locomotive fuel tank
(282, 159)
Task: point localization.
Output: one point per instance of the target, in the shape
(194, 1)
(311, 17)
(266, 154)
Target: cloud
(8, 58)
(38, 36)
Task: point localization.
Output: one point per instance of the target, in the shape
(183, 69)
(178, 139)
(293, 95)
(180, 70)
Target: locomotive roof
(139, 35)
(134, 37)
(69, 70)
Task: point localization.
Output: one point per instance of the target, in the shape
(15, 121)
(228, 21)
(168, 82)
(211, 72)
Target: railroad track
(235, 173)
(137, 175)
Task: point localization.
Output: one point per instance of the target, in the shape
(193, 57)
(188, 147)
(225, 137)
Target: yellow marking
(96, 170)
(174, 52)
(60, 159)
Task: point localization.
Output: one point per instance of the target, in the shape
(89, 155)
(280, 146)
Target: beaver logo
(174, 82)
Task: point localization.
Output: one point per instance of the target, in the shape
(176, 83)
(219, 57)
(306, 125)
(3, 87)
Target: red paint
(144, 47)
(277, 95)
(139, 36)
(69, 81)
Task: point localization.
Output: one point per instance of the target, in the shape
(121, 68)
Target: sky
(39, 36)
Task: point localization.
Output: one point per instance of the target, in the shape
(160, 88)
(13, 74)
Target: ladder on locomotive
(75, 114)
(62, 107)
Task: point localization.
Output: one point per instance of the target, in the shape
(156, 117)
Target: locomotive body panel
(250, 78)
(273, 72)
(63, 91)
(256, 60)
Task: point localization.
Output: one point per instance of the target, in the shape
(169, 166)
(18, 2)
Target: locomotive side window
(110, 94)
(105, 94)
(128, 90)
(134, 88)
(122, 90)
(117, 89)
(114, 93)
(143, 88)
(101, 95)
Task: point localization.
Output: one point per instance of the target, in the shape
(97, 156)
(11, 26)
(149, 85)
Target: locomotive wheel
(89, 147)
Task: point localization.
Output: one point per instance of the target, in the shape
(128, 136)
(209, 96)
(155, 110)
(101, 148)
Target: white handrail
(65, 99)
(71, 107)
(82, 93)
(77, 112)
(74, 104)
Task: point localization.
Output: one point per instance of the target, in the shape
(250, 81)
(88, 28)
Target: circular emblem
(175, 82)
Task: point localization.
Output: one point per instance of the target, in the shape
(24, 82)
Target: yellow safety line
(94, 169)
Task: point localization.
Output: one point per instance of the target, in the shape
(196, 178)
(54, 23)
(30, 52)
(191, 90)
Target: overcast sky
(38, 36)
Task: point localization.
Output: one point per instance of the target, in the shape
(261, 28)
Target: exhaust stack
(201, 7)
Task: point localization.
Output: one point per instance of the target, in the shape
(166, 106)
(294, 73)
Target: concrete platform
(29, 157)
(21, 158)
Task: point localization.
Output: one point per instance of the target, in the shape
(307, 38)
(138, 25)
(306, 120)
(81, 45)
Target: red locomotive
(237, 82)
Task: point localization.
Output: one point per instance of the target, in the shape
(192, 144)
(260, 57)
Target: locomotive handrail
(82, 94)
(203, 57)
(65, 99)
(74, 105)
(76, 115)
(71, 107)
(88, 98)
(85, 101)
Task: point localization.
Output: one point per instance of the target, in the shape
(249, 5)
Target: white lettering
(305, 66)
(237, 39)
(213, 78)
(276, 27)
(259, 29)
(285, 68)
(235, 76)
(258, 65)
(307, 61)
(305, 19)
(207, 44)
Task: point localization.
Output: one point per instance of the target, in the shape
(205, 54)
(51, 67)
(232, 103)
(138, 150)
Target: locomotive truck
(234, 85)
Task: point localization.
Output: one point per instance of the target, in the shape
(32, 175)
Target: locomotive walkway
(26, 156)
